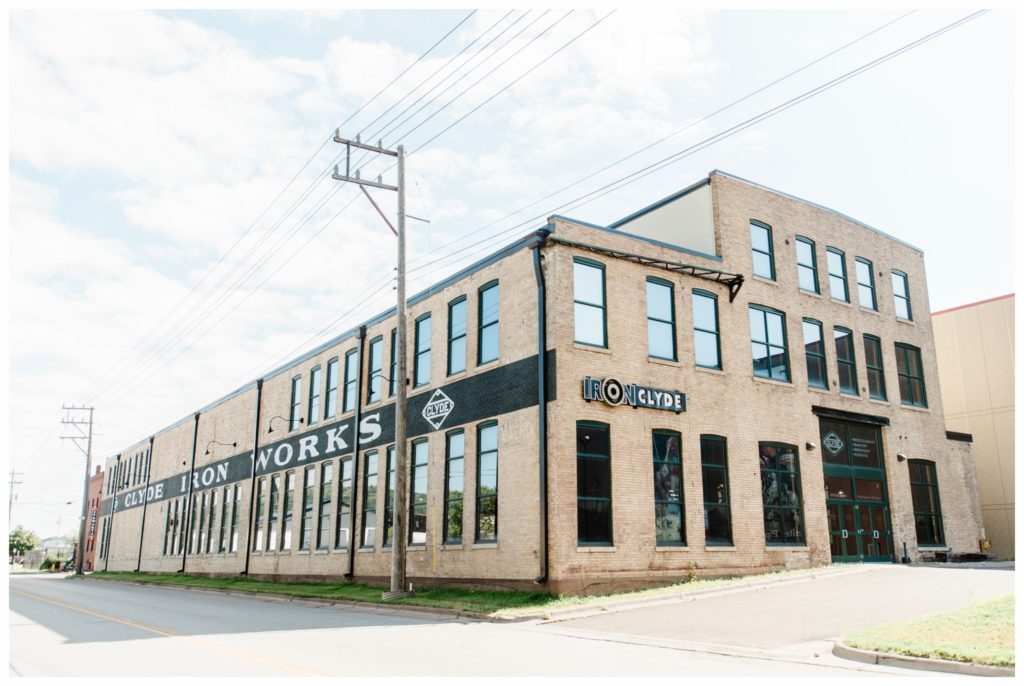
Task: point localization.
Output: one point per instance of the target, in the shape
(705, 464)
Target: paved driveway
(807, 613)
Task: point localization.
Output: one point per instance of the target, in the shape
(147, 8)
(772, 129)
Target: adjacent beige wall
(974, 345)
(686, 222)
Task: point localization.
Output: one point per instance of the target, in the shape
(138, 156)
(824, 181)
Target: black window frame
(846, 364)
(903, 355)
(802, 268)
(580, 500)
(664, 497)
(418, 510)
(767, 343)
(288, 507)
(306, 523)
(313, 408)
(296, 405)
(842, 277)
(798, 508)
(671, 322)
(869, 287)
(918, 472)
(343, 513)
(754, 251)
(485, 325)
(876, 391)
(449, 501)
(603, 306)
(478, 534)
(902, 278)
(723, 500)
(459, 338)
(421, 359)
(700, 293)
(369, 504)
(389, 497)
(323, 520)
(331, 392)
(820, 360)
(393, 380)
(350, 393)
(375, 378)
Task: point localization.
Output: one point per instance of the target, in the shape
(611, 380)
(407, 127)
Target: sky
(174, 235)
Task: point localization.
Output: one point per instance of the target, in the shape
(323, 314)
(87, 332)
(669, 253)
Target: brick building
(729, 381)
(92, 521)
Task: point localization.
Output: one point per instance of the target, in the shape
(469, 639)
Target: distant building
(732, 380)
(975, 347)
(92, 518)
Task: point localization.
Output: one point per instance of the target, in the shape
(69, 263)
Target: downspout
(357, 418)
(113, 511)
(252, 477)
(188, 499)
(145, 503)
(542, 408)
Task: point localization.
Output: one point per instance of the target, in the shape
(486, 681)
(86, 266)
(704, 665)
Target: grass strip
(982, 633)
(509, 604)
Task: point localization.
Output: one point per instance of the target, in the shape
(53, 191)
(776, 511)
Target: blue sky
(144, 144)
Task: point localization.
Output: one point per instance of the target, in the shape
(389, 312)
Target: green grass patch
(982, 633)
(499, 603)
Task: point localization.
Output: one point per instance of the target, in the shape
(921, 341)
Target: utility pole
(79, 422)
(10, 503)
(400, 532)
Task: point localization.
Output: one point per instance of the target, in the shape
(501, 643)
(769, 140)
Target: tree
(22, 540)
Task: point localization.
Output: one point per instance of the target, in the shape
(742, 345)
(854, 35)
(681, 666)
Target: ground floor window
(715, 478)
(418, 493)
(487, 482)
(593, 484)
(780, 492)
(344, 515)
(454, 467)
(234, 518)
(370, 499)
(924, 489)
(669, 519)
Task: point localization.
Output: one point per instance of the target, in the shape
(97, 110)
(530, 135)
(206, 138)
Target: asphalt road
(69, 627)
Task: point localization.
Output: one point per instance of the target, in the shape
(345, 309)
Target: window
(236, 504)
(780, 492)
(421, 373)
(865, 284)
(814, 348)
(344, 518)
(289, 504)
(487, 483)
(418, 493)
(806, 265)
(901, 295)
(487, 338)
(202, 523)
(261, 489)
(593, 484)
(911, 375)
(323, 531)
(768, 340)
(454, 483)
(273, 513)
(314, 396)
(661, 319)
(389, 497)
(222, 538)
(331, 406)
(394, 362)
(706, 349)
(876, 372)
(167, 526)
(761, 247)
(924, 489)
(373, 393)
(457, 336)
(296, 411)
(715, 479)
(348, 402)
(306, 525)
(209, 522)
(669, 513)
(837, 275)
(588, 302)
(846, 360)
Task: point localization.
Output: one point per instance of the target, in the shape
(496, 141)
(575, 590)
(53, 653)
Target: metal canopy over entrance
(857, 499)
(733, 281)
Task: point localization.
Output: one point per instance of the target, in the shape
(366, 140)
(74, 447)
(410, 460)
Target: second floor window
(806, 265)
(393, 376)
(911, 376)
(901, 295)
(814, 348)
(706, 351)
(761, 250)
(876, 371)
(661, 320)
(376, 369)
(351, 369)
(588, 303)
(768, 341)
(314, 396)
(846, 360)
(487, 340)
(457, 336)
(331, 406)
(296, 405)
(421, 373)
(865, 284)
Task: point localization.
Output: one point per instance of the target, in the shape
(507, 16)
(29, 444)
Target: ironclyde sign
(614, 392)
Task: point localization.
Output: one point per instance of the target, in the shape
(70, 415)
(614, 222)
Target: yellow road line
(170, 634)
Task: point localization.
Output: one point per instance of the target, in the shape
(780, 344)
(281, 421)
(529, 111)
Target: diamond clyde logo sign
(833, 442)
(438, 408)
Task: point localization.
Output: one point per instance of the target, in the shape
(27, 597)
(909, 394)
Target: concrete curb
(925, 663)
